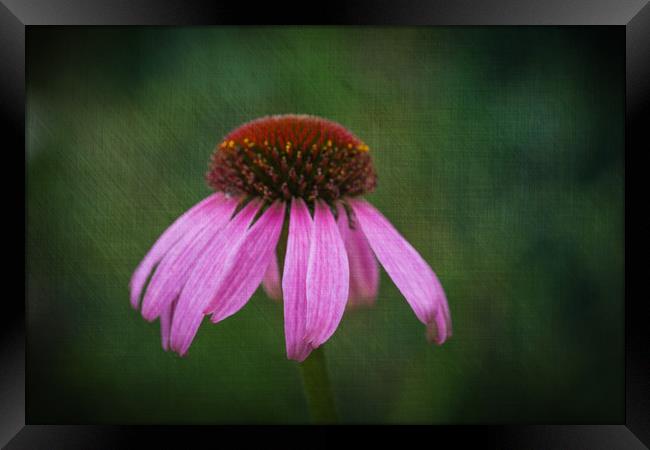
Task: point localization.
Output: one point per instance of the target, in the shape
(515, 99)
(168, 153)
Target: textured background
(500, 158)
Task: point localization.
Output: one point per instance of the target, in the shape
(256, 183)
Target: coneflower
(307, 174)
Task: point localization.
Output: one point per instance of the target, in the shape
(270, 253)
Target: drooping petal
(364, 270)
(294, 285)
(176, 266)
(166, 324)
(271, 281)
(205, 276)
(408, 270)
(440, 330)
(327, 277)
(248, 264)
(182, 225)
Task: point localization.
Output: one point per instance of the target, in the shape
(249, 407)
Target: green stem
(317, 388)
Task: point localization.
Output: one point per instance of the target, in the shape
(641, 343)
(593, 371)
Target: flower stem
(317, 387)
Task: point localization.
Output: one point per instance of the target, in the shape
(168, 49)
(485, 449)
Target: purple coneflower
(307, 172)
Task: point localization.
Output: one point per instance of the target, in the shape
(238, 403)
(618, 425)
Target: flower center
(280, 157)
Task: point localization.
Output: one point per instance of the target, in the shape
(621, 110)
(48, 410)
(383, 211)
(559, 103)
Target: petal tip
(135, 302)
(298, 357)
(438, 334)
(149, 317)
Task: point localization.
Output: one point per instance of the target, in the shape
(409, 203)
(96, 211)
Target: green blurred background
(500, 158)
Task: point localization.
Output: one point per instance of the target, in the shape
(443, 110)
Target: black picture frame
(17, 15)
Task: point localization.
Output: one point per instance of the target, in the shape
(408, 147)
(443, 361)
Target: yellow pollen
(231, 144)
(329, 143)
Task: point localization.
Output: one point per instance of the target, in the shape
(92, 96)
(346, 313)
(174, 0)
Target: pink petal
(166, 324)
(408, 270)
(205, 276)
(294, 281)
(271, 281)
(440, 330)
(364, 270)
(327, 277)
(177, 264)
(169, 237)
(248, 264)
